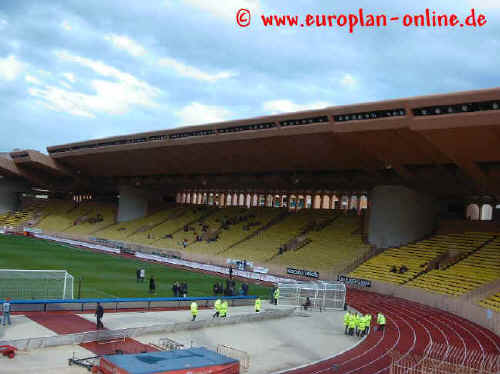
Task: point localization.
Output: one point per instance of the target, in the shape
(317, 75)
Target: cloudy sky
(72, 70)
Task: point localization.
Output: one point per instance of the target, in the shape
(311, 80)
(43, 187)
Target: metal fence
(445, 359)
(242, 356)
(322, 295)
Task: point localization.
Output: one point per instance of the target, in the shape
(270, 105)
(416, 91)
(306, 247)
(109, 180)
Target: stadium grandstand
(401, 197)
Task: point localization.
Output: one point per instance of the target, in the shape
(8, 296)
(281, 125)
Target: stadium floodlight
(323, 295)
(36, 284)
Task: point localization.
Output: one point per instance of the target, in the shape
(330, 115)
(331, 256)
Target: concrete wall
(133, 204)
(399, 215)
(9, 191)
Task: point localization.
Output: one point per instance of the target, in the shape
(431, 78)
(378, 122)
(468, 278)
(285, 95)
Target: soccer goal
(322, 295)
(36, 284)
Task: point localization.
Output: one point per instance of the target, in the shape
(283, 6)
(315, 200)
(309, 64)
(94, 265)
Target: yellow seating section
(479, 268)
(415, 256)
(61, 215)
(124, 230)
(234, 232)
(85, 227)
(174, 223)
(23, 217)
(333, 247)
(265, 244)
(492, 302)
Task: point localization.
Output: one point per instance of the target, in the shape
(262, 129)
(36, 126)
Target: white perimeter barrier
(174, 261)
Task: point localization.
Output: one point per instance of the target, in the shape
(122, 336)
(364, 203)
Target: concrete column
(133, 204)
(9, 192)
(399, 215)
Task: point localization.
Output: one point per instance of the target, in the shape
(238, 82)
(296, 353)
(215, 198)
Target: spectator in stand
(244, 287)
(394, 269)
(138, 274)
(230, 272)
(403, 269)
(142, 274)
(175, 289)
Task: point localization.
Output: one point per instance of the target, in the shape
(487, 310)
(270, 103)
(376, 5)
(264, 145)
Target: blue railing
(147, 300)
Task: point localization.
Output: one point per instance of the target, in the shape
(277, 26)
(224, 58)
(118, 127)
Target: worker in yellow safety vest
(362, 321)
(276, 296)
(368, 323)
(258, 304)
(347, 318)
(352, 324)
(217, 305)
(194, 310)
(224, 309)
(380, 321)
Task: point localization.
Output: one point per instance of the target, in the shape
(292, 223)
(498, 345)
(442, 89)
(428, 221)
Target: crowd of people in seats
(403, 269)
(92, 220)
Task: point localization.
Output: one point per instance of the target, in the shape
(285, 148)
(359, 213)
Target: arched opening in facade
(308, 201)
(216, 199)
(269, 201)
(317, 202)
(486, 212)
(472, 212)
(293, 202)
(363, 202)
(335, 202)
(248, 200)
(205, 198)
(188, 198)
(262, 200)
(353, 204)
(241, 201)
(284, 201)
(229, 199)
(178, 197)
(235, 199)
(184, 198)
(344, 202)
(326, 202)
(211, 198)
(277, 201)
(301, 202)
(255, 200)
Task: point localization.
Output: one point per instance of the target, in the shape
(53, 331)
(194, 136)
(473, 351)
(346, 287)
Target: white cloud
(128, 45)
(31, 79)
(196, 113)
(225, 8)
(114, 96)
(193, 72)
(70, 77)
(65, 84)
(10, 68)
(348, 81)
(3, 23)
(66, 25)
(283, 106)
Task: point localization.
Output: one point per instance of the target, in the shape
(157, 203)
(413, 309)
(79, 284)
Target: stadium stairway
(410, 328)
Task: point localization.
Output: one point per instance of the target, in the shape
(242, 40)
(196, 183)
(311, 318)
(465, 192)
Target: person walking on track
(258, 304)
(6, 312)
(99, 312)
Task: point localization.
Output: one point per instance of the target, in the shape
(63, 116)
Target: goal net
(322, 295)
(36, 284)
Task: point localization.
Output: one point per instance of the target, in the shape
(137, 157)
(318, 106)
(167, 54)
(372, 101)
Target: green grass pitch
(104, 275)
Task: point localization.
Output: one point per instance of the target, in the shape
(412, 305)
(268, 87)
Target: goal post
(36, 284)
(322, 295)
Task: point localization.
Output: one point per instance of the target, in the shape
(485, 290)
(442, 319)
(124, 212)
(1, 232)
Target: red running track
(67, 323)
(410, 327)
